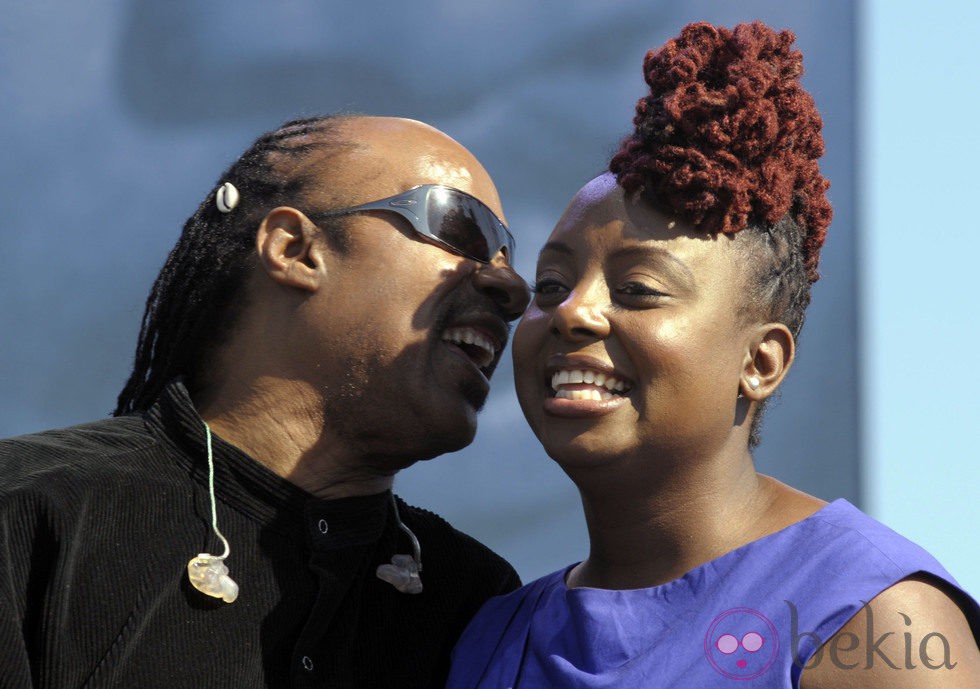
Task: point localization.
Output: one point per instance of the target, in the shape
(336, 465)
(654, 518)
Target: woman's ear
(288, 251)
(768, 361)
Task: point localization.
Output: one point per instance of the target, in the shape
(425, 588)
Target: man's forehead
(411, 149)
(393, 155)
(399, 168)
(453, 172)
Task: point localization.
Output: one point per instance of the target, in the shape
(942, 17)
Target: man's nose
(501, 282)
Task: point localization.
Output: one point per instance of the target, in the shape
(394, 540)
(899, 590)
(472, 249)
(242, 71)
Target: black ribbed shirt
(98, 522)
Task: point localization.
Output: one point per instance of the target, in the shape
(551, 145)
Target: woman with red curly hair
(668, 302)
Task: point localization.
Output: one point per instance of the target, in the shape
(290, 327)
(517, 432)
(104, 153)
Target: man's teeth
(578, 376)
(482, 350)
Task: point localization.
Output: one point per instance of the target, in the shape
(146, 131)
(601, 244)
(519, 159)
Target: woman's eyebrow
(662, 257)
(557, 247)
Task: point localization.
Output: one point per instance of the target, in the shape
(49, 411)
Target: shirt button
(323, 526)
(307, 664)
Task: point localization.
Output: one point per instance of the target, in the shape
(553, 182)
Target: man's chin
(475, 393)
(443, 442)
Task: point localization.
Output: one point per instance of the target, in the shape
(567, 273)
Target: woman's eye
(638, 289)
(547, 287)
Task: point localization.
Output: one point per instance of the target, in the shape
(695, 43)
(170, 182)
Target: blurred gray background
(119, 116)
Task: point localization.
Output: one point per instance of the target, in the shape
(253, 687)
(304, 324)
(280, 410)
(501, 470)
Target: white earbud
(209, 573)
(403, 572)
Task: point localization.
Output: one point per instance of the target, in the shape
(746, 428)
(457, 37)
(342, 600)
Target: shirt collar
(249, 486)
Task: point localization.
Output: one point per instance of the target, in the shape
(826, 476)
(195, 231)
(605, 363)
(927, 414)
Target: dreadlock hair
(199, 292)
(727, 140)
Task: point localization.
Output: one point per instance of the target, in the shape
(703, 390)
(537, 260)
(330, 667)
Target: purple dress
(750, 618)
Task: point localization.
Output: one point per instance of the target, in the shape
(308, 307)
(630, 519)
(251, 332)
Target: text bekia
(847, 646)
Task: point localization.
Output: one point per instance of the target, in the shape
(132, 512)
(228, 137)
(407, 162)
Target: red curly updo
(728, 138)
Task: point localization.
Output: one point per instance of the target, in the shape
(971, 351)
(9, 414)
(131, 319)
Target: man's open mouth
(477, 345)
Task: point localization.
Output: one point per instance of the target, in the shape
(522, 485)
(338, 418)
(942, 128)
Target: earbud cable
(416, 547)
(214, 506)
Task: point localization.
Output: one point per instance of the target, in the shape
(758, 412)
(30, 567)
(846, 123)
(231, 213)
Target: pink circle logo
(741, 643)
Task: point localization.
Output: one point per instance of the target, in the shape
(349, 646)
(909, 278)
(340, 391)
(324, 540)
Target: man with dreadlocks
(330, 315)
(667, 304)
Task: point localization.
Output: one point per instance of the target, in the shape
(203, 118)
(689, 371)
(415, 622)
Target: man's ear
(768, 360)
(288, 250)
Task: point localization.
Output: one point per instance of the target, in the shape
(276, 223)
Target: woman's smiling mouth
(582, 386)
(586, 384)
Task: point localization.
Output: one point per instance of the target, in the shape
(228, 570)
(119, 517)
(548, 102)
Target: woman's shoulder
(808, 535)
(827, 567)
(840, 532)
(527, 596)
(510, 611)
(836, 551)
(920, 626)
(492, 641)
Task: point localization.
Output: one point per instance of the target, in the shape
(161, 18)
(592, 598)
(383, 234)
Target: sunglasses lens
(465, 224)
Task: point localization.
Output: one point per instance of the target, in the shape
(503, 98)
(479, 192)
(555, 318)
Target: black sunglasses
(459, 222)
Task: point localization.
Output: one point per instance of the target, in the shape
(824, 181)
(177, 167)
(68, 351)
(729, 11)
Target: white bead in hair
(227, 197)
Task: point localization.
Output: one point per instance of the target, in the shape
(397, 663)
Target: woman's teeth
(575, 376)
(601, 385)
(583, 395)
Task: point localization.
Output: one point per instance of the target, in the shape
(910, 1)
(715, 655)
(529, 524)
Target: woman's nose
(580, 316)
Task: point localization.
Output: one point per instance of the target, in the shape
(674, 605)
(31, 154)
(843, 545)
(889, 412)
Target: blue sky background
(919, 257)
